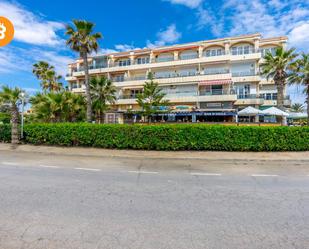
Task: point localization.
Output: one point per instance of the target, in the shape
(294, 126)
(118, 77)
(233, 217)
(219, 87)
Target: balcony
(164, 59)
(217, 95)
(249, 99)
(188, 57)
(243, 74)
(142, 63)
(217, 71)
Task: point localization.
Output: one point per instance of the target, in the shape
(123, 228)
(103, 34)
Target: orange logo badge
(6, 31)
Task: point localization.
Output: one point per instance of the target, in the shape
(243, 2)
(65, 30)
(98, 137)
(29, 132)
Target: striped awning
(215, 82)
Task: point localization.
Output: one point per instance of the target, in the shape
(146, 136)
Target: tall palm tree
(83, 40)
(12, 98)
(103, 93)
(48, 76)
(301, 76)
(278, 67)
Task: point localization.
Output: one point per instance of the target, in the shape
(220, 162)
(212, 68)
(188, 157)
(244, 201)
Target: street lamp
(22, 96)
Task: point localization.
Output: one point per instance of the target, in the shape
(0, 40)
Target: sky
(129, 24)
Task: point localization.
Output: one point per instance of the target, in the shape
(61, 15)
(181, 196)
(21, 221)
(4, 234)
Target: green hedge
(167, 137)
(5, 133)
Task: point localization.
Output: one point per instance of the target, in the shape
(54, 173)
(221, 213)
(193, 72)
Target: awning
(249, 111)
(215, 82)
(273, 111)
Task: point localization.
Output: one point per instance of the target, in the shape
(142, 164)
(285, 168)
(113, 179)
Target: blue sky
(127, 24)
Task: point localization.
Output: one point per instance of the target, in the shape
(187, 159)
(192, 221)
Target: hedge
(166, 136)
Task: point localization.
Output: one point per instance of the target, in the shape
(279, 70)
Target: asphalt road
(62, 202)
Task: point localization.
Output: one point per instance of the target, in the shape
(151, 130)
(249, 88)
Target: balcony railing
(188, 56)
(163, 59)
(242, 74)
(180, 94)
(128, 96)
(248, 96)
(221, 71)
(216, 92)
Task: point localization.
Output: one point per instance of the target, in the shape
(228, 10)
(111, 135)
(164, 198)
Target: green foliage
(5, 133)
(58, 107)
(151, 98)
(48, 76)
(168, 137)
(5, 118)
(297, 107)
(103, 94)
(82, 38)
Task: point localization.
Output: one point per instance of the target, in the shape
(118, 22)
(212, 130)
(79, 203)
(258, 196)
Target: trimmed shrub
(167, 136)
(5, 133)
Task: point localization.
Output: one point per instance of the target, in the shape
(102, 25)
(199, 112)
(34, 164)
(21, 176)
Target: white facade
(212, 78)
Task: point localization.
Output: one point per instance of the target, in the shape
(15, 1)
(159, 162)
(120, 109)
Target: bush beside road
(166, 137)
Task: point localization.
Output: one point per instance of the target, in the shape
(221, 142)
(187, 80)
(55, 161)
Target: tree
(11, 97)
(301, 76)
(103, 93)
(278, 67)
(48, 76)
(151, 98)
(58, 107)
(84, 41)
(297, 107)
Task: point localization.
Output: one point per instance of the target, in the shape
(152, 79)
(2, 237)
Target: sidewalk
(211, 155)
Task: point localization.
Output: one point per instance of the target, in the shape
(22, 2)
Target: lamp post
(22, 95)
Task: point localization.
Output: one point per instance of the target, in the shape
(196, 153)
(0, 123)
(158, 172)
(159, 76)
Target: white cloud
(167, 36)
(299, 36)
(188, 3)
(30, 28)
(14, 59)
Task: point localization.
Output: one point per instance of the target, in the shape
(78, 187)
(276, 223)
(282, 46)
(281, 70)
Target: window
(243, 49)
(234, 50)
(134, 93)
(123, 63)
(142, 60)
(264, 51)
(119, 78)
(214, 52)
(246, 49)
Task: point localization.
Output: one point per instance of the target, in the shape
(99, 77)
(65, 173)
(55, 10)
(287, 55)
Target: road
(88, 202)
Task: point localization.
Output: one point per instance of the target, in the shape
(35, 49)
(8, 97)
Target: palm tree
(278, 67)
(74, 107)
(84, 41)
(151, 98)
(297, 107)
(58, 107)
(41, 68)
(103, 93)
(48, 76)
(12, 98)
(301, 76)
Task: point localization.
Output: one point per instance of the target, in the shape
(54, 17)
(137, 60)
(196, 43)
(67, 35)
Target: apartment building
(204, 81)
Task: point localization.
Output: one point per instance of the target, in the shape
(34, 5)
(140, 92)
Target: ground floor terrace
(228, 116)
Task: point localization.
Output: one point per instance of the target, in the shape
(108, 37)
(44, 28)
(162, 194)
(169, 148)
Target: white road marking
(49, 166)
(88, 169)
(10, 163)
(261, 175)
(143, 172)
(204, 174)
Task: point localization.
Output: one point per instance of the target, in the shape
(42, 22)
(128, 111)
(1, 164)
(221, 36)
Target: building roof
(193, 45)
